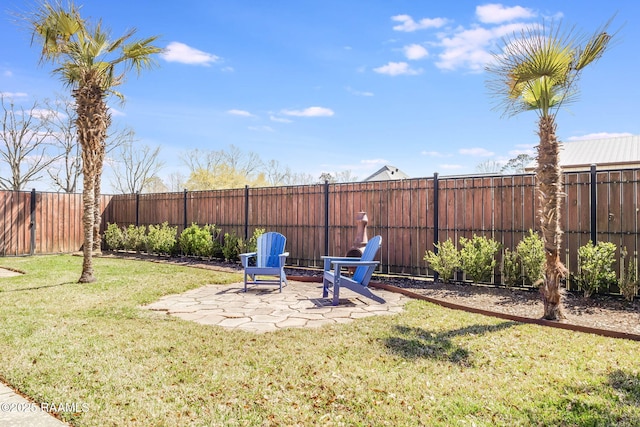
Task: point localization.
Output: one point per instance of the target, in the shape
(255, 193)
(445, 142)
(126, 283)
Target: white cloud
(180, 52)
(7, 73)
(470, 47)
(115, 112)
(496, 13)
(409, 25)
(415, 51)
(523, 149)
(358, 92)
(44, 114)
(279, 119)
(373, 162)
(310, 112)
(396, 69)
(476, 152)
(599, 135)
(434, 154)
(242, 113)
(13, 94)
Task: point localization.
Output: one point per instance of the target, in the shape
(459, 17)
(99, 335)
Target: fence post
(326, 217)
(32, 249)
(436, 237)
(593, 218)
(246, 212)
(185, 208)
(137, 209)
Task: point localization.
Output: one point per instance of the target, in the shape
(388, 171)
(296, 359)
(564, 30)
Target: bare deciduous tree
(335, 177)
(176, 182)
(518, 163)
(26, 146)
(136, 167)
(66, 172)
(489, 166)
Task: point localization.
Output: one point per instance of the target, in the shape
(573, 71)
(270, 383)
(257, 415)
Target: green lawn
(66, 342)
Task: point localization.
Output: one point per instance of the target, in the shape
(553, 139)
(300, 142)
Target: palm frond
(538, 67)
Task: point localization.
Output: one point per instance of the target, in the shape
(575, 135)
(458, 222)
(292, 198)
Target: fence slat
(500, 207)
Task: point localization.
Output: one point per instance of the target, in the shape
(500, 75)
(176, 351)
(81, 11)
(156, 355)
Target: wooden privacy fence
(410, 215)
(41, 223)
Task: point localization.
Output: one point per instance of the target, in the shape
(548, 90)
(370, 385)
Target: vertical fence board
(500, 207)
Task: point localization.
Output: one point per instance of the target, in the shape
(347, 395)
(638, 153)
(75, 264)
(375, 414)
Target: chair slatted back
(269, 246)
(368, 254)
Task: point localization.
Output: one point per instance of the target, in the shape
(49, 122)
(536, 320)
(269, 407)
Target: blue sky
(333, 85)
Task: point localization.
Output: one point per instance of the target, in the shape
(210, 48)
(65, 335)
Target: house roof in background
(622, 151)
(387, 173)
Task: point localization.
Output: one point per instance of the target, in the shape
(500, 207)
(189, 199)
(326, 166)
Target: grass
(65, 342)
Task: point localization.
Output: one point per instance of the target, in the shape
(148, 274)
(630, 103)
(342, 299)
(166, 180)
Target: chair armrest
(345, 263)
(282, 258)
(329, 259)
(245, 258)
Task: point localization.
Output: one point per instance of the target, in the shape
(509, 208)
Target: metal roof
(622, 151)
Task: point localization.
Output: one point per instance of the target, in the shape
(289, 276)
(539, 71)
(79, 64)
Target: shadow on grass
(612, 402)
(35, 288)
(627, 385)
(414, 343)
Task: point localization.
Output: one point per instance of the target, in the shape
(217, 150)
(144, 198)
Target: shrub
(114, 237)
(445, 262)
(511, 268)
(232, 246)
(628, 277)
(251, 245)
(477, 257)
(161, 239)
(595, 266)
(216, 238)
(134, 237)
(531, 254)
(197, 241)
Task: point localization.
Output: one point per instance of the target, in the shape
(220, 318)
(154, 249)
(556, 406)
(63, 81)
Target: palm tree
(537, 69)
(91, 65)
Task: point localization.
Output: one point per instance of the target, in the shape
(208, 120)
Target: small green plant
(252, 243)
(232, 246)
(628, 276)
(216, 238)
(595, 266)
(114, 237)
(531, 254)
(134, 237)
(445, 262)
(477, 257)
(196, 241)
(511, 268)
(161, 238)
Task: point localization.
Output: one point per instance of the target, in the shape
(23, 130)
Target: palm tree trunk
(91, 124)
(549, 178)
(97, 238)
(87, 225)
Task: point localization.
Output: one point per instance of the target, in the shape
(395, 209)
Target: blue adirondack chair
(269, 261)
(334, 278)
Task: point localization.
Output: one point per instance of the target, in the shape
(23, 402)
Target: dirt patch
(7, 272)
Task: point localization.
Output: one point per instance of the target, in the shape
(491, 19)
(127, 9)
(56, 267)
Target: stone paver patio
(265, 309)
